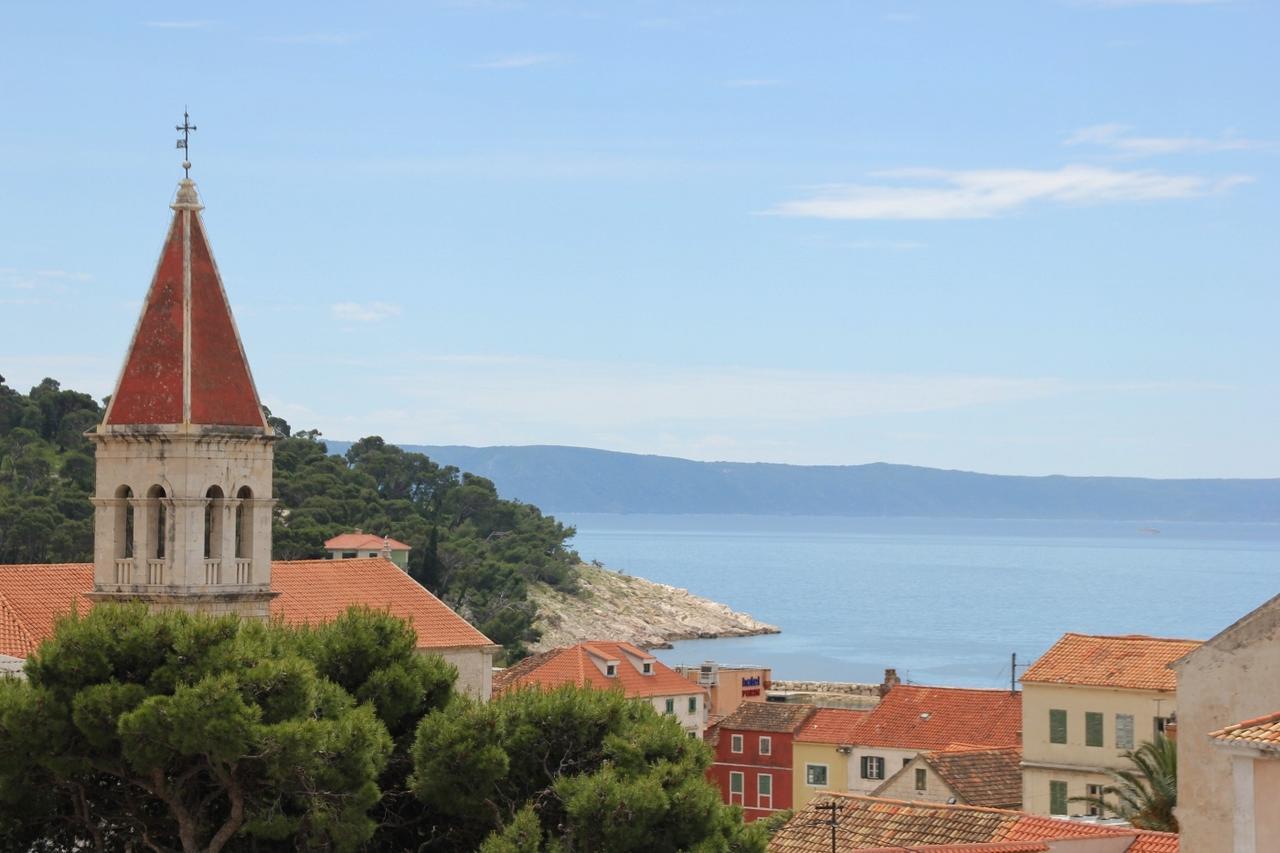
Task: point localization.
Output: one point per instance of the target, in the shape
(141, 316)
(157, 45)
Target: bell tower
(183, 501)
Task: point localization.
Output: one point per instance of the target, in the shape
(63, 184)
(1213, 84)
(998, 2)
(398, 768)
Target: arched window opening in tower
(158, 521)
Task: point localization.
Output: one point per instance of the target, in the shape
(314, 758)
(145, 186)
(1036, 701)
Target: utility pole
(832, 806)
(1013, 672)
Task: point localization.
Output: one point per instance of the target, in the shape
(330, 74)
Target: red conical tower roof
(185, 365)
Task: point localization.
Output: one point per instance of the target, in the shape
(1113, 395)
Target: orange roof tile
(1130, 661)
(767, 717)
(993, 847)
(981, 777)
(1154, 842)
(912, 717)
(1260, 733)
(362, 542)
(870, 823)
(317, 591)
(577, 665)
(831, 725)
(32, 597)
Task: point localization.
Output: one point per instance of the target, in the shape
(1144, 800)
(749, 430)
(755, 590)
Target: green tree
(197, 733)
(570, 769)
(1146, 793)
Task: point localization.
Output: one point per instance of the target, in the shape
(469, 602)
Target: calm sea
(943, 601)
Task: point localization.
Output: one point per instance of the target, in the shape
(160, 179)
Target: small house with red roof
(974, 777)
(911, 719)
(183, 496)
(754, 761)
(1086, 701)
(612, 666)
(821, 751)
(349, 546)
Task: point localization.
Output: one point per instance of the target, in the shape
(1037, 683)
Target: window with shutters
(1057, 726)
(1092, 728)
(815, 774)
(872, 767)
(1058, 798)
(921, 781)
(1124, 731)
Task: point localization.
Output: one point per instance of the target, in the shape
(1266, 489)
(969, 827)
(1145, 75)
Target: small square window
(766, 745)
(815, 774)
(735, 744)
(647, 668)
(611, 669)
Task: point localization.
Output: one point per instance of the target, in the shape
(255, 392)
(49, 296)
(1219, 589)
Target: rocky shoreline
(615, 606)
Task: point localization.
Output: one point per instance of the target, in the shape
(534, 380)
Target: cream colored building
(1085, 701)
(1253, 747)
(1234, 676)
(821, 751)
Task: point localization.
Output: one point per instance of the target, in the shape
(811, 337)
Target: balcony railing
(244, 570)
(124, 570)
(213, 571)
(156, 570)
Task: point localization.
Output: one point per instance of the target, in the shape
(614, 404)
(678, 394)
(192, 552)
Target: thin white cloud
(45, 282)
(1118, 138)
(364, 312)
(177, 25)
(518, 60)
(321, 39)
(986, 193)
(1119, 3)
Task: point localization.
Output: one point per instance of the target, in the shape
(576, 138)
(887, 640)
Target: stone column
(227, 507)
(259, 515)
(141, 537)
(106, 513)
(186, 562)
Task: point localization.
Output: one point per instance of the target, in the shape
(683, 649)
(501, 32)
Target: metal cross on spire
(185, 142)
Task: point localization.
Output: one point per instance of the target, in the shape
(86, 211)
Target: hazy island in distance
(580, 479)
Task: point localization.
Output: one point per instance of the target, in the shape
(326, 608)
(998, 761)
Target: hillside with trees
(471, 547)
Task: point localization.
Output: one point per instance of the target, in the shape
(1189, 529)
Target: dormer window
(647, 667)
(611, 669)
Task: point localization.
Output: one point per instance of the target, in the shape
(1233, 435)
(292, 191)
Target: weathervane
(185, 142)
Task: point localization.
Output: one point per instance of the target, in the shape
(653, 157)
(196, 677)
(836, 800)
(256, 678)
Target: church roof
(33, 596)
(185, 364)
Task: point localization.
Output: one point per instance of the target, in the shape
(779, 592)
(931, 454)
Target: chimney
(386, 548)
(891, 680)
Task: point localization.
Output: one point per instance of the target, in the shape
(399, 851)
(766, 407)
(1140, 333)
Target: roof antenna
(185, 142)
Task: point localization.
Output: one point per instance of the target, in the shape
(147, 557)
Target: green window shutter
(1124, 731)
(1057, 726)
(735, 783)
(1092, 728)
(1057, 798)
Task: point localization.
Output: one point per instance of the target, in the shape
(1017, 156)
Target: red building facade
(753, 748)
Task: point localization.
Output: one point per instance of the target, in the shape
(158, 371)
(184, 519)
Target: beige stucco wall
(1073, 762)
(816, 753)
(475, 669)
(894, 760)
(902, 785)
(1266, 805)
(1232, 678)
(694, 721)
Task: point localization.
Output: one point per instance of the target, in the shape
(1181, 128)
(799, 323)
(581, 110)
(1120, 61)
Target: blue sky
(1033, 236)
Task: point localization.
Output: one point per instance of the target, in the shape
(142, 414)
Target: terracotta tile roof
(831, 725)
(314, 591)
(1154, 842)
(995, 847)
(1260, 733)
(577, 665)
(982, 777)
(317, 591)
(1129, 661)
(362, 542)
(870, 823)
(911, 717)
(767, 717)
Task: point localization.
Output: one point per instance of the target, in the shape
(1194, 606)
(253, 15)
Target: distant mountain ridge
(580, 479)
